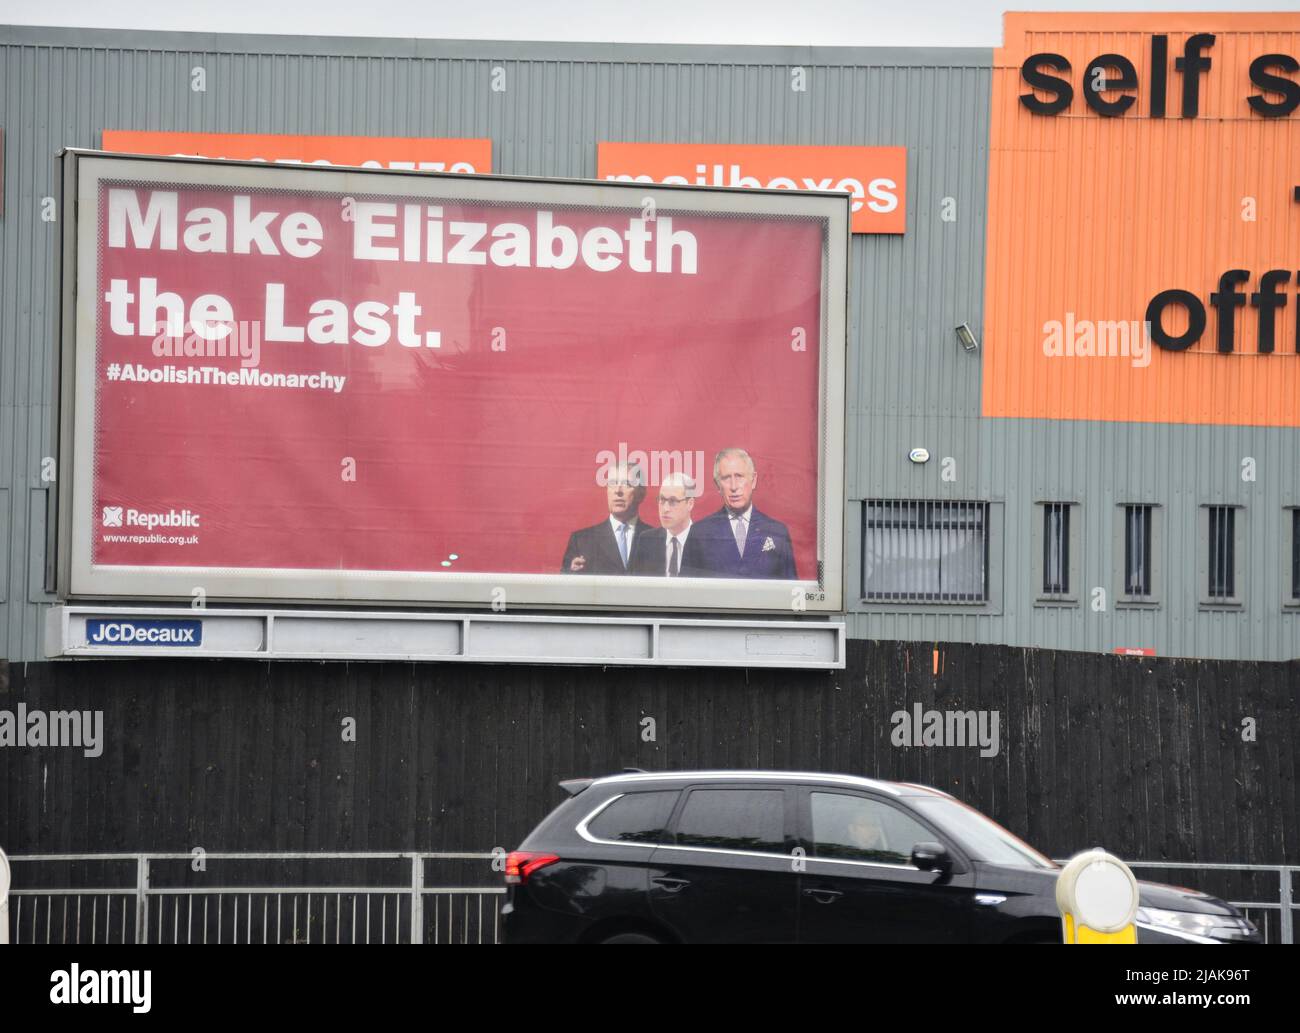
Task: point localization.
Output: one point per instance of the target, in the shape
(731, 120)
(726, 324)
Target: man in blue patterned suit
(739, 541)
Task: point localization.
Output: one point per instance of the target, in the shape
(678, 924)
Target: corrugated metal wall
(1089, 217)
(909, 383)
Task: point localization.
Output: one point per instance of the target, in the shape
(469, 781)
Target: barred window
(1137, 550)
(1295, 554)
(924, 551)
(1222, 553)
(1056, 548)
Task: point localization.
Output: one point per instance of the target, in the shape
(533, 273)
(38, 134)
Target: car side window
(635, 818)
(734, 819)
(855, 828)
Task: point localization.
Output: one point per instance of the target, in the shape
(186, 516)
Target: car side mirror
(931, 857)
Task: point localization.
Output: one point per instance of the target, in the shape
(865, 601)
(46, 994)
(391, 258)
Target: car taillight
(522, 863)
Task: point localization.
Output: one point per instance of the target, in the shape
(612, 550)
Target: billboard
(876, 177)
(420, 154)
(289, 383)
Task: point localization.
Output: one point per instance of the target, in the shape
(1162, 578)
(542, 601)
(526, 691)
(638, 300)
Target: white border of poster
(79, 578)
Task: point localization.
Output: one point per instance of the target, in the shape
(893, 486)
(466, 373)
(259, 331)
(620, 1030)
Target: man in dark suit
(615, 545)
(672, 550)
(738, 540)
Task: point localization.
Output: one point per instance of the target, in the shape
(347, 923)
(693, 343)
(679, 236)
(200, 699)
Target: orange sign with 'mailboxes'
(876, 177)
(426, 154)
(1144, 219)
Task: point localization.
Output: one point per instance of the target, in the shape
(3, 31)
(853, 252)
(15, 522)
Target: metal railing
(1275, 918)
(167, 904)
(393, 901)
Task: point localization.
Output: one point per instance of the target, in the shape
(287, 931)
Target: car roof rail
(574, 786)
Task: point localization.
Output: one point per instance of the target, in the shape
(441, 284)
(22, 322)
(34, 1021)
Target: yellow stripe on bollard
(1085, 935)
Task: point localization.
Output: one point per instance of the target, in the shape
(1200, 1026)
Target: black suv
(785, 857)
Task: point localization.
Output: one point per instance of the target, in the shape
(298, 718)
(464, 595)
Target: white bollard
(1097, 896)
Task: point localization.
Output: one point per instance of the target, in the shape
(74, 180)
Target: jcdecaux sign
(143, 632)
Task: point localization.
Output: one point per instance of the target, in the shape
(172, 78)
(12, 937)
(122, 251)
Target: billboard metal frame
(312, 634)
(79, 578)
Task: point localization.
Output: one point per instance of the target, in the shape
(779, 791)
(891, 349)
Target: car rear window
(635, 818)
(734, 819)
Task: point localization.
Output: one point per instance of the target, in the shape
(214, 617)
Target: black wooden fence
(1153, 759)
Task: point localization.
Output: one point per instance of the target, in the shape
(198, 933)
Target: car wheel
(630, 938)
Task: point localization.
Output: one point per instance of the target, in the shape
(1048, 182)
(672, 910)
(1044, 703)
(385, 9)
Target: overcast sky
(842, 22)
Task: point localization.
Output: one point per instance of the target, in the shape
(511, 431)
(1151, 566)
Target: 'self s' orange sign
(1144, 219)
(376, 152)
(875, 176)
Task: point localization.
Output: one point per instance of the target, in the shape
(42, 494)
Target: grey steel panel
(1102, 466)
(244, 44)
(725, 644)
(37, 516)
(4, 551)
(390, 637)
(606, 642)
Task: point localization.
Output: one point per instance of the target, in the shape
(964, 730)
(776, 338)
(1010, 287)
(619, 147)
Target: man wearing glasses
(670, 551)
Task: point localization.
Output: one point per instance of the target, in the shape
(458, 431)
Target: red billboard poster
(323, 384)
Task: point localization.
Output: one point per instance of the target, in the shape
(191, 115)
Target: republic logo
(117, 516)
